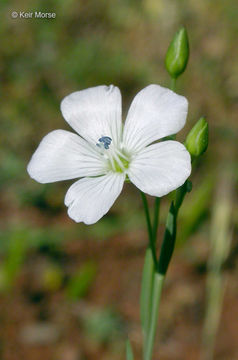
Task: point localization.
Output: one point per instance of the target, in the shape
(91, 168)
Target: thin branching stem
(149, 227)
(156, 218)
(173, 84)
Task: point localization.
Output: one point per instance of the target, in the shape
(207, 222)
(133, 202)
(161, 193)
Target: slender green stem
(168, 243)
(156, 218)
(147, 214)
(155, 278)
(157, 290)
(161, 269)
(129, 351)
(146, 292)
(150, 229)
(173, 84)
(149, 271)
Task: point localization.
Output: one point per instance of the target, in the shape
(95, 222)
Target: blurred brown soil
(117, 285)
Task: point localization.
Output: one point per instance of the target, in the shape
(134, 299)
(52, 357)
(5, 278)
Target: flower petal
(160, 168)
(63, 155)
(90, 198)
(94, 112)
(155, 112)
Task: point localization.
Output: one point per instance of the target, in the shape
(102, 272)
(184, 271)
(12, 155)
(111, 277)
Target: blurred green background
(69, 291)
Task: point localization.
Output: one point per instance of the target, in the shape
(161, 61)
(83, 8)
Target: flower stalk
(173, 84)
(158, 281)
(156, 218)
(129, 351)
(149, 228)
(155, 270)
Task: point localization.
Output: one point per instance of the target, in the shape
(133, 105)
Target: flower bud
(177, 54)
(197, 139)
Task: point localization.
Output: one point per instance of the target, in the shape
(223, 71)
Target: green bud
(197, 139)
(177, 54)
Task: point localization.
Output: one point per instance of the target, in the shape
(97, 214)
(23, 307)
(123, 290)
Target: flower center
(120, 164)
(117, 160)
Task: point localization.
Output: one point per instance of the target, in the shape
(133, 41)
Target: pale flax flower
(104, 152)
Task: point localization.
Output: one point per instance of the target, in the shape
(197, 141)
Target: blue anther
(106, 142)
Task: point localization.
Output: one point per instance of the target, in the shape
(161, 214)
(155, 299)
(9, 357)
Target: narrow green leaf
(129, 351)
(146, 290)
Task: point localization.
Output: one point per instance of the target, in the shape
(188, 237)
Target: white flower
(105, 152)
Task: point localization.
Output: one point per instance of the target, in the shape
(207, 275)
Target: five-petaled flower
(105, 152)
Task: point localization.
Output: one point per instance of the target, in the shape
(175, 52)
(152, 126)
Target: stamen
(105, 141)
